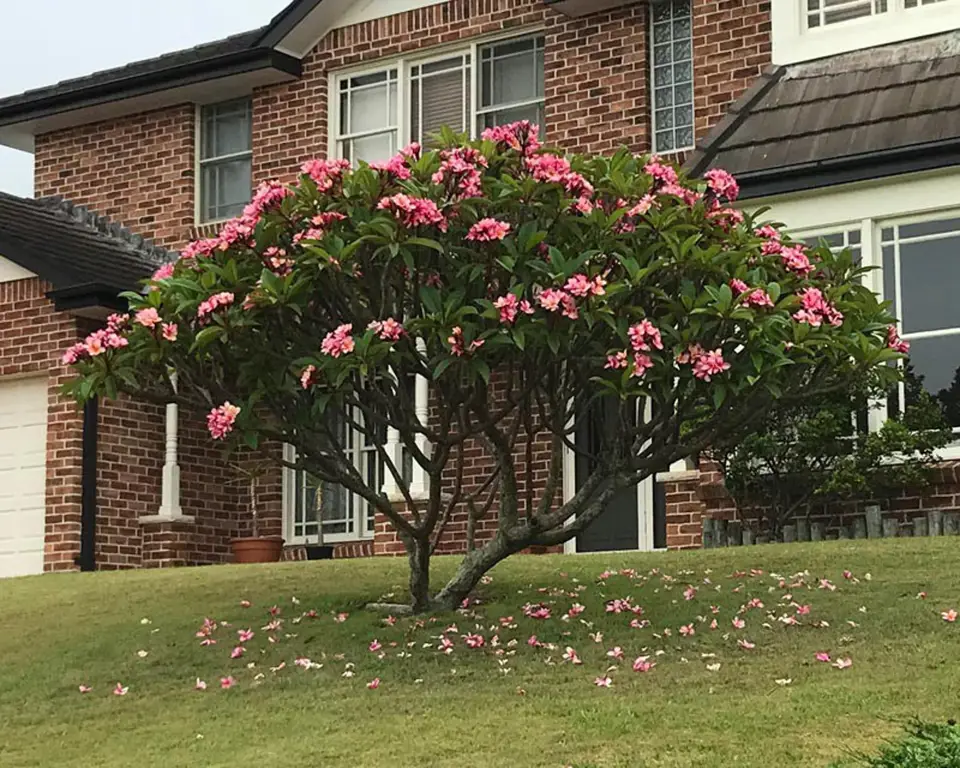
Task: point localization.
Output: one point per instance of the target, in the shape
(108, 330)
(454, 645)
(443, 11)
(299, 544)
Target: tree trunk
(418, 553)
(469, 572)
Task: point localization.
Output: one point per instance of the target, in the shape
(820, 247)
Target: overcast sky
(43, 41)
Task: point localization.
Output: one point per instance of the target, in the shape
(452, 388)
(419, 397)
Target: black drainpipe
(88, 504)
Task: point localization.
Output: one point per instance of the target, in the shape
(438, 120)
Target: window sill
(678, 476)
(160, 519)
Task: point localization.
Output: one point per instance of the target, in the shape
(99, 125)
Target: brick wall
(139, 170)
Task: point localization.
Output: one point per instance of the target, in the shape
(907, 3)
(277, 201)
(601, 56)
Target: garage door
(23, 454)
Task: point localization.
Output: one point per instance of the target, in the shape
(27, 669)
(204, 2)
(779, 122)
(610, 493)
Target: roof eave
(92, 300)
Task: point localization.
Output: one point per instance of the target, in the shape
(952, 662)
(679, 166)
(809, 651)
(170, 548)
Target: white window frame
(200, 161)
(871, 208)
(653, 89)
(403, 65)
(794, 42)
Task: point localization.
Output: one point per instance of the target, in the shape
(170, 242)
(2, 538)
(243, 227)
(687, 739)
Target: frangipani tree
(526, 287)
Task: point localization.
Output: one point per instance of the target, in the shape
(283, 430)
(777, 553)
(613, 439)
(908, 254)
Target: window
(226, 159)
(672, 60)
(823, 12)
(921, 267)
(804, 30)
(838, 241)
(377, 112)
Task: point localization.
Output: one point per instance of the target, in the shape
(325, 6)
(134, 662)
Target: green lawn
(510, 705)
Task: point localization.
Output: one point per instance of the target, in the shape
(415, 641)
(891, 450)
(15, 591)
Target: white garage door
(23, 459)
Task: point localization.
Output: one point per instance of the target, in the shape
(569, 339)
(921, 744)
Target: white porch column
(170, 489)
(419, 486)
(395, 452)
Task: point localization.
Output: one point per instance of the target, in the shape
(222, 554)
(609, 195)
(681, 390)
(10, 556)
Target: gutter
(87, 559)
(87, 296)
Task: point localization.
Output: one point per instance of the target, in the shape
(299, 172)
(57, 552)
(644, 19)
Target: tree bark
(469, 572)
(418, 553)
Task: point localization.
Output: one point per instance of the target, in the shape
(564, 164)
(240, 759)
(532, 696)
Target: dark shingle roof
(860, 115)
(69, 247)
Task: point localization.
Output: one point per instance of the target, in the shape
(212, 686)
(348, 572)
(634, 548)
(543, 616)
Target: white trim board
(10, 271)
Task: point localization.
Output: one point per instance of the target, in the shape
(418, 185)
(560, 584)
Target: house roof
(862, 115)
(79, 253)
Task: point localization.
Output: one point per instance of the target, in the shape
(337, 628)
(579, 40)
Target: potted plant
(255, 548)
(319, 551)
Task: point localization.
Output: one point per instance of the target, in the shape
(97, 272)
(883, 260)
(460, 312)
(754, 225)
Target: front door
(632, 518)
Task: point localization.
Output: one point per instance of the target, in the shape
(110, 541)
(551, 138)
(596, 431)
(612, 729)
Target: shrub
(926, 745)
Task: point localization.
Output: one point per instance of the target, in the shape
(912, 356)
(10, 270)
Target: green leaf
(426, 242)
(483, 369)
(719, 394)
(442, 366)
(206, 337)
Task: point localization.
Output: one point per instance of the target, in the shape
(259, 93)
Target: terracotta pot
(265, 549)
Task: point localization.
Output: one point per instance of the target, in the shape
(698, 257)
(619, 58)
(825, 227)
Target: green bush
(926, 745)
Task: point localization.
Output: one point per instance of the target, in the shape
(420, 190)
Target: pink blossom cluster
(755, 298)
(487, 230)
(221, 419)
(148, 318)
(98, 342)
(325, 173)
(643, 335)
(320, 224)
(738, 286)
(509, 305)
(689, 196)
(553, 169)
(894, 341)
(795, 259)
(536, 611)
(581, 286)
(199, 248)
(165, 272)
(338, 342)
(460, 171)
(457, 346)
(662, 174)
(397, 166)
(169, 331)
(617, 361)
(276, 260)
(308, 377)
(705, 364)
(555, 300)
(522, 136)
(816, 310)
(237, 231)
(726, 218)
(645, 204)
(641, 363)
(722, 184)
(387, 330)
(268, 195)
(413, 211)
(223, 299)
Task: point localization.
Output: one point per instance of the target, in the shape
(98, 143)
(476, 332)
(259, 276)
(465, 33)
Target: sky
(44, 41)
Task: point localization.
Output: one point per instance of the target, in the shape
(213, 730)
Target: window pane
(531, 112)
(933, 367)
(823, 12)
(438, 98)
(672, 62)
(368, 109)
(225, 129)
(890, 278)
(225, 188)
(373, 149)
(512, 72)
(929, 275)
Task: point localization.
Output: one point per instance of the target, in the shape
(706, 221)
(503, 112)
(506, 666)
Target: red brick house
(170, 146)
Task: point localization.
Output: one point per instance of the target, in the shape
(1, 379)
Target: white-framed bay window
(224, 160)
(386, 105)
(804, 30)
(908, 231)
(309, 502)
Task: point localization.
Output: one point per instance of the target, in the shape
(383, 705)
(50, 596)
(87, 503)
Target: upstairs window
(671, 32)
(378, 111)
(823, 12)
(226, 160)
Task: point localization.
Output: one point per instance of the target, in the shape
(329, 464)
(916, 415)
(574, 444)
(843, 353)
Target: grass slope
(510, 705)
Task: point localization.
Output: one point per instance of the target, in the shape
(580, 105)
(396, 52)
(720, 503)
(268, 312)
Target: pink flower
(738, 623)
(396, 166)
(508, 306)
(224, 299)
(710, 364)
(746, 645)
(375, 646)
(121, 689)
(520, 136)
(615, 653)
(738, 286)
(77, 352)
(533, 642)
(165, 272)
(641, 363)
(325, 172)
(795, 260)
(645, 204)
(687, 630)
(768, 232)
(894, 341)
(237, 652)
(689, 593)
(949, 616)
(244, 635)
(722, 184)
(388, 330)
(338, 342)
(603, 682)
(551, 299)
(268, 195)
(227, 682)
(823, 656)
(474, 641)
(341, 617)
(200, 685)
(643, 335)
(665, 174)
(170, 331)
(536, 611)
(526, 307)
(714, 624)
(221, 419)
(308, 376)
(85, 689)
(643, 664)
(617, 361)
(758, 298)
(487, 230)
(569, 654)
(414, 211)
(803, 610)
(816, 309)
(148, 318)
(374, 684)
